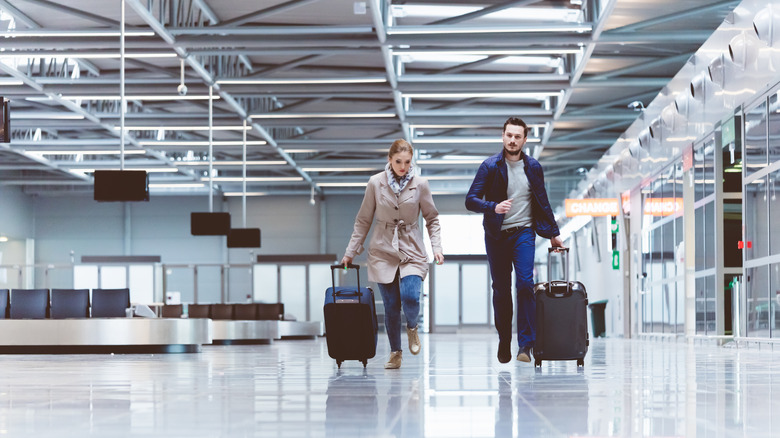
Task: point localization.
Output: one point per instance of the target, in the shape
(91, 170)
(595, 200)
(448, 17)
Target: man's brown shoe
(524, 355)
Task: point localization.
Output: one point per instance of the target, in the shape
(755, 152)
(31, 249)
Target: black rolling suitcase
(350, 320)
(561, 317)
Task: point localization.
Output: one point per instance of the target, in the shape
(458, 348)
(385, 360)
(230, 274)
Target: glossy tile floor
(454, 388)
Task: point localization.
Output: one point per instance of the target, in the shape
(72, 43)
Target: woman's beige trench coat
(397, 241)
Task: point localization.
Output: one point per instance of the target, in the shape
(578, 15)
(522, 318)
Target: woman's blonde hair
(400, 145)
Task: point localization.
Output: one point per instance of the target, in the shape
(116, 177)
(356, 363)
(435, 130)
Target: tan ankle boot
(414, 340)
(395, 360)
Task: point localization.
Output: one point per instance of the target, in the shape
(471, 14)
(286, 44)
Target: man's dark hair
(517, 121)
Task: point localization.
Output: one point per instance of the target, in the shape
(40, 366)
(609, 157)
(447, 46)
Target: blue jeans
(404, 291)
(515, 250)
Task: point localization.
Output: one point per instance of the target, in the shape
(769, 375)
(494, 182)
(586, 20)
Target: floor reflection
(455, 388)
(352, 407)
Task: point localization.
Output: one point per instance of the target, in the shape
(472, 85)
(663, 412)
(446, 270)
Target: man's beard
(512, 153)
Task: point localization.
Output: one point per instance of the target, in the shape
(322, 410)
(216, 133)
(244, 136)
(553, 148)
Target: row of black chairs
(241, 312)
(63, 303)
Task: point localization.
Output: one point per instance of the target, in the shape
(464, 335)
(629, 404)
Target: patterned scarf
(395, 184)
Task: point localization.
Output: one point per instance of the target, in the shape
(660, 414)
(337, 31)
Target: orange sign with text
(591, 207)
(663, 206)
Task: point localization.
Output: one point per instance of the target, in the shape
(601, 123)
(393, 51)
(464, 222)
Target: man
(516, 209)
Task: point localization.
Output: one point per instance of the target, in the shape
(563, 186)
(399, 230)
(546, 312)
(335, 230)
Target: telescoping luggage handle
(565, 282)
(333, 269)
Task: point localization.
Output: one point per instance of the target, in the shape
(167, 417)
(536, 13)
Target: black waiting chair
(244, 312)
(69, 303)
(29, 303)
(221, 311)
(110, 303)
(3, 303)
(270, 311)
(171, 311)
(198, 311)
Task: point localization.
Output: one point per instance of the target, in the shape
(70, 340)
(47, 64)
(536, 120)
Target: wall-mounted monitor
(5, 129)
(209, 224)
(243, 238)
(121, 185)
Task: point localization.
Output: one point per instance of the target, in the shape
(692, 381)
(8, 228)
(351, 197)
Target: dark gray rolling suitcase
(561, 317)
(350, 320)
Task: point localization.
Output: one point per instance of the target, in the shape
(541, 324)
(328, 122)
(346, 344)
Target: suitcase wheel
(581, 363)
(538, 363)
(365, 362)
(338, 363)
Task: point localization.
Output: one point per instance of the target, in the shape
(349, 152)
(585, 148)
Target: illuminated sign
(663, 206)
(591, 207)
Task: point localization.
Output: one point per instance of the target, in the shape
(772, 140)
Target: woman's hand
(346, 261)
(438, 258)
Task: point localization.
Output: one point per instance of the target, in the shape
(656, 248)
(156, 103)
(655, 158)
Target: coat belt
(402, 256)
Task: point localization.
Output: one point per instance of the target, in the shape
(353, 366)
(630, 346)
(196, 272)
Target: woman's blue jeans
(401, 293)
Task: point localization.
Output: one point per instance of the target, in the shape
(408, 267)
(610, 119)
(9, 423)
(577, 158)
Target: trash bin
(597, 318)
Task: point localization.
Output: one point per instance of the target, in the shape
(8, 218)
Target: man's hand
(504, 206)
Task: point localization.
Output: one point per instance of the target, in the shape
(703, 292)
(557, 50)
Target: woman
(397, 260)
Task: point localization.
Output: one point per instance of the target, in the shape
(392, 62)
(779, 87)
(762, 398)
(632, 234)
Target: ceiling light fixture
(255, 179)
(507, 95)
(175, 185)
(72, 33)
(302, 81)
(84, 152)
(490, 52)
(134, 97)
(475, 140)
(83, 55)
(31, 115)
(342, 184)
(432, 161)
(147, 169)
(188, 143)
(232, 163)
(341, 169)
(184, 128)
(451, 30)
(514, 14)
(322, 115)
(246, 194)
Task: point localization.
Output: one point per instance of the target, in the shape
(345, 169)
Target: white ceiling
(364, 88)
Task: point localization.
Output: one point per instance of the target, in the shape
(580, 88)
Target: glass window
(709, 230)
(711, 305)
(774, 212)
(774, 128)
(461, 233)
(774, 301)
(757, 305)
(755, 139)
(704, 175)
(701, 319)
(756, 219)
(700, 239)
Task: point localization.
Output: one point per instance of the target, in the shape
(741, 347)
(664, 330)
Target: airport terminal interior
(179, 180)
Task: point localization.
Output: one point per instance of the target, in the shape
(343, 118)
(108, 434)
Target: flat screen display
(244, 238)
(121, 185)
(209, 224)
